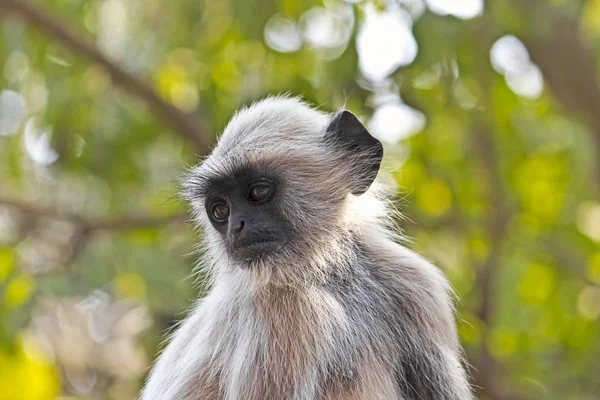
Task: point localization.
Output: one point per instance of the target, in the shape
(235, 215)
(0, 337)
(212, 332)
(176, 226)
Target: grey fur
(344, 312)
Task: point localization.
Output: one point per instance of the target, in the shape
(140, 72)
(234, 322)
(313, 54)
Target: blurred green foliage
(499, 185)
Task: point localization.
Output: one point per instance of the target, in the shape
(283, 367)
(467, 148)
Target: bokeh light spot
(18, 290)
(37, 144)
(464, 9)
(537, 284)
(502, 342)
(12, 112)
(588, 220)
(385, 42)
(510, 57)
(282, 34)
(588, 302)
(394, 121)
(434, 197)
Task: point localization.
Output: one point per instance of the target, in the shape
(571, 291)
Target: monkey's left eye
(260, 192)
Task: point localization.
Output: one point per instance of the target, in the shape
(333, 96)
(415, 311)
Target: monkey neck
(285, 335)
(342, 260)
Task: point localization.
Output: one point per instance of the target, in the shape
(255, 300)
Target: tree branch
(488, 372)
(84, 228)
(89, 225)
(488, 369)
(185, 124)
(568, 64)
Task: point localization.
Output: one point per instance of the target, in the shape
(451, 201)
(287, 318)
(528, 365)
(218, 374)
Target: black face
(243, 209)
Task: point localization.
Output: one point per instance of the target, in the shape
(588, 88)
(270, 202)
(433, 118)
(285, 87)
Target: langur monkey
(310, 295)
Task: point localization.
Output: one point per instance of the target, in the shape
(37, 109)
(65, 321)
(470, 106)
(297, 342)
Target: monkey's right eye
(219, 211)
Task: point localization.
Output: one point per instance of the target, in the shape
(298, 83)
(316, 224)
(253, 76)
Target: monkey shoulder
(409, 288)
(405, 309)
(401, 311)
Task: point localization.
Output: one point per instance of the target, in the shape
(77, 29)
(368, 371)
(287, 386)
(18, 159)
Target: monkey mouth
(251, 250)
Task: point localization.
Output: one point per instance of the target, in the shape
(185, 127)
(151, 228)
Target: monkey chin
(257, 254)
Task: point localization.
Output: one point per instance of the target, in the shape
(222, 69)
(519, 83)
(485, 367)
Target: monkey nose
(237, 225)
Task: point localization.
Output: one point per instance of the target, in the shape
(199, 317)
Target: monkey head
(276, 184)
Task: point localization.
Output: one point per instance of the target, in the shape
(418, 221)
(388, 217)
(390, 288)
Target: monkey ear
(363, 151)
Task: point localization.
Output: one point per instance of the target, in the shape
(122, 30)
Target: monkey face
(243, 208)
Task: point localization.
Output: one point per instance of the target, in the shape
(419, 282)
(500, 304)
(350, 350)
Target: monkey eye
(260, 192)
(219, 211)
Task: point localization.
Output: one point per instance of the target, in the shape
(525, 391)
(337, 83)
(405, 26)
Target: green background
(104, 104)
